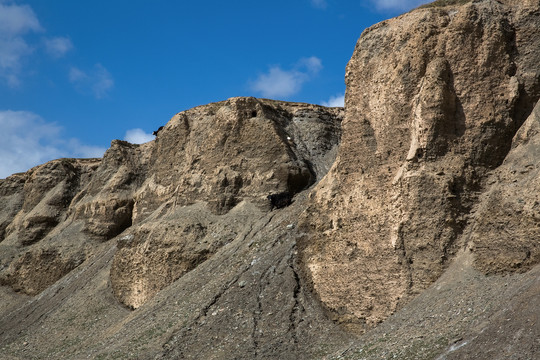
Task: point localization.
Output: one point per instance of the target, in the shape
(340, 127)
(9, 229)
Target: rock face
(261, 229)
(434, 99)
(219, 155)
(186, 216)
(505, 230)
(36, 203)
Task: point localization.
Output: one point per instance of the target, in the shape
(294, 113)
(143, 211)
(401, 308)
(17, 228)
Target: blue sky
(75, 75)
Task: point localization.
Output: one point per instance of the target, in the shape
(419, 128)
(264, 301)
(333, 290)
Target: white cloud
(335, 101)
(319, 4)
(58, 46)
(76, 75)
(15, 21)
(279, 83)
(283, 83)
(312, 64)
(26, 140)
(98, 80)
(138, 136)
(398, 5)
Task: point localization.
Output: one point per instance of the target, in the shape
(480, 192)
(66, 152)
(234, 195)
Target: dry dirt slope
(171, 248)
(426, 225)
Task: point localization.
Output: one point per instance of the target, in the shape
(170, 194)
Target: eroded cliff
(186, 216)
(222, 154)
(434, 99)
(417, 205)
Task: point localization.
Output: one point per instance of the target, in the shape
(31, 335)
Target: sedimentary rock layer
(219, 155)
(434, 99)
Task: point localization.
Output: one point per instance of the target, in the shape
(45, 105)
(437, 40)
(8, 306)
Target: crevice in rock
(124, 219)
(405, 258)
(256, 316)
(178, 334)
(294, 318)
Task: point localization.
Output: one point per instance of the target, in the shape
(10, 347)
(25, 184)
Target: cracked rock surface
(434, 99)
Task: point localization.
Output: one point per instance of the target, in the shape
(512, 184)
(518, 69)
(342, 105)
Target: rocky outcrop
(160, 251)
(105, 206)
(36, 207)
(41, 197)
(186, 216)
(37, 269)
(505, 230)
(434, 99)
(217, 155)
(240, 149)
(241, 231)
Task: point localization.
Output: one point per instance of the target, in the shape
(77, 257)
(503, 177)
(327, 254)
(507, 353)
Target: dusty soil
(463, 315)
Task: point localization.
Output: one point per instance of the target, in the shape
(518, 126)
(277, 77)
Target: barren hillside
(406, 225)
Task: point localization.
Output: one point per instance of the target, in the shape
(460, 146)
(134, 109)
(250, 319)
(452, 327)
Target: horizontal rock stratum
(406, 225)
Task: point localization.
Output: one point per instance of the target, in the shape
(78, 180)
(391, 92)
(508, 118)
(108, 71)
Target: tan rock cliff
(221, 154)
(426, 219)
(434, 98)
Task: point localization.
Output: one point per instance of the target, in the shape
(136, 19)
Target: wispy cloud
(58, 46)
(284, 83)
(97, 80)
(311, 64)
(398, 5)
(335, 101)
(15, 22)
(138, 136)
(319, 4)
(26, 140)
(74, 148)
